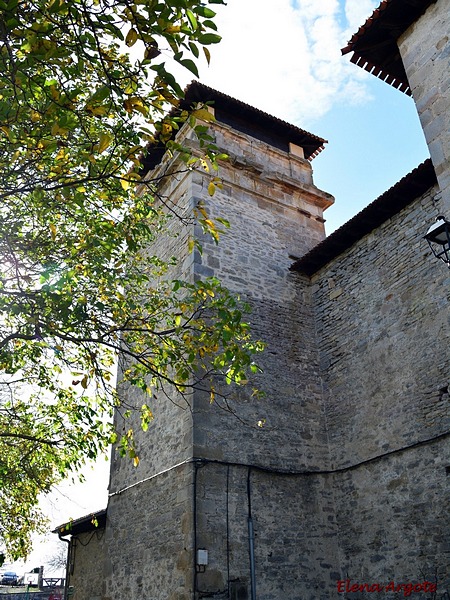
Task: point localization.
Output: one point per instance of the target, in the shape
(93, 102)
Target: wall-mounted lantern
(438, 238)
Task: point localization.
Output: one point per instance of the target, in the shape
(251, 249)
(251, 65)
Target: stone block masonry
(383, 326)
(425, 51)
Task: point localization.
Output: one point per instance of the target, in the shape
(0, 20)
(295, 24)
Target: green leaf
(190, 65)
(204, 11)
(192, 20)
(100, 94)
(131, 38)
(194, 49)
(209, 38)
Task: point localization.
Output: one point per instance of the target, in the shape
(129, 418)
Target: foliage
(77, 287)
(28, 466)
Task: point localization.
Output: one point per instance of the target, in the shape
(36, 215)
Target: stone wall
(85, 572)
(294, 533)
(383, 325)
(149, 539)
(392, 522)
(275, 212)
(425, 51)
(169, 438)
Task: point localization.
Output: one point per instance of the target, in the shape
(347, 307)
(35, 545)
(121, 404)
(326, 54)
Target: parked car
(9, 578)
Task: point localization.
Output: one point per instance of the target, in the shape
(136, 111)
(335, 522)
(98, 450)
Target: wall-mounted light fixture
(438, 238)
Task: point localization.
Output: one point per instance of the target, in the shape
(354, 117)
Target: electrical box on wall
(202, 557)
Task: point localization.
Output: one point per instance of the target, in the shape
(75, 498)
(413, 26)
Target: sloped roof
(244, 118)
(374, 45)
(91, 522)
(412, 186)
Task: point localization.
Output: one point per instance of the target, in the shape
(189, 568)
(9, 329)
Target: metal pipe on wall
(251, 547)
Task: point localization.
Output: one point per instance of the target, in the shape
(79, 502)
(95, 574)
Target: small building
(85, 540)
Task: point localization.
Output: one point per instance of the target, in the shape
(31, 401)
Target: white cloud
(283, 56)
(357, 12)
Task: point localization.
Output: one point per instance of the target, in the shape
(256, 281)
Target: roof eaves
(198, 92)
(410, 187)
(84, 524)
(374, 45)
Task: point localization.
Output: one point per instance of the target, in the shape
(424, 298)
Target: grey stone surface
(425, 51)
(384, 347)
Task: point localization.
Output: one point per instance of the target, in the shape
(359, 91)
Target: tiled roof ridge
(82, 524)
(199, 92)
(197, 84)
(366, 26)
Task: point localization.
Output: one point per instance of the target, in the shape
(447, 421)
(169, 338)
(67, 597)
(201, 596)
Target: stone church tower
(204, 471)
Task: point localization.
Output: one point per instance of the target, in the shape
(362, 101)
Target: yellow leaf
(55, 93)
(125, 184)
(135, 104)
(166, 129)
(132, 38)
(202, 211)
(211, 188)
(53, 230)
(7, 132)
(104, 141)
(57, 130)
(204, 115)
(136, 461)
(61, 154)
(142, 109)
(97, 111)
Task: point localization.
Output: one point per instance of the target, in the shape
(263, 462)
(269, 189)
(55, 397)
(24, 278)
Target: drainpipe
(66, 582)
(251, 540)
(251, 544)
